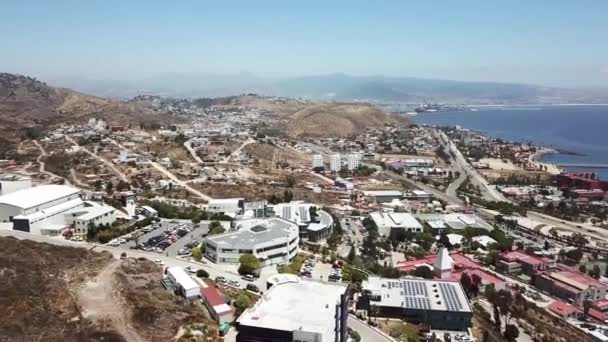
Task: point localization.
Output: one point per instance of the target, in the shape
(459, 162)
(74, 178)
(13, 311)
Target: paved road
(368, 334)
(461, 162)
(436, 193)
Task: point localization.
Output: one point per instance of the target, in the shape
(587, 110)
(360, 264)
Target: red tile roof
(562, 309)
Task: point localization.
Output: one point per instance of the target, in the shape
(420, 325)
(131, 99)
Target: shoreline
(537, 159)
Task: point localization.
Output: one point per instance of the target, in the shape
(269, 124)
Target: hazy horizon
(549, 43)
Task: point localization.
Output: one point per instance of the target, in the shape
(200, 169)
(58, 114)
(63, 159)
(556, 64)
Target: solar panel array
(452, 300)
(417, 303)
(304, 214)
(415, 294)
(287, 213)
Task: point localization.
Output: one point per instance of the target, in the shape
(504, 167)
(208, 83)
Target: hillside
(26, 102)
(337, 120)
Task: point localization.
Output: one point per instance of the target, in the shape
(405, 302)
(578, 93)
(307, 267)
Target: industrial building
(271, 240)
(383, 196)
(12, 182)
(178, 279)
(50, 209)
(440, 304)
(391, 223)
(287, 312)
(454, 221)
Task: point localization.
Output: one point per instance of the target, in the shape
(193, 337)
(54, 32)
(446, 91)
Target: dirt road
(99, 303)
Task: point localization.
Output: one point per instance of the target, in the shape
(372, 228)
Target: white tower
(443, 264)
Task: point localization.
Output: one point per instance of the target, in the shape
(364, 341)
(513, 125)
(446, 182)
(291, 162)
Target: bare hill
(26, 102)
(337, 119)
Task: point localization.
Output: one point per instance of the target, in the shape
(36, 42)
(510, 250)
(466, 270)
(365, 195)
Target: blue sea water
(579, 129)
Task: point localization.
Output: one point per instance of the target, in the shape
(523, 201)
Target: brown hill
(337, 119)
(26, 102)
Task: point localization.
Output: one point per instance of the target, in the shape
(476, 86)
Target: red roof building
(215, 303)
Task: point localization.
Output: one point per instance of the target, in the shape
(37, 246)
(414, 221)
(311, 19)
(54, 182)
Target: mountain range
(338, 86)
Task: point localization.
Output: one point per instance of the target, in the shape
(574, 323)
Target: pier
(589, 165)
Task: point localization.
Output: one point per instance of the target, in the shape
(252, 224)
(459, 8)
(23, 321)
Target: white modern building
(186, 286)
(335, 163)
(298, 212)
(354, 161)
(391, 223)
(297, 310)
(49, 209)
(90, 213)
(225, 205)
(271, 240)
(317, 161)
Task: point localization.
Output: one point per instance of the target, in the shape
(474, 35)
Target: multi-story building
(570, 285)
(335, 163)
(516, 262)
(271, 240)
(312, 228)
(317, 161)
(354, 161)
(440, 304)
(286, 312)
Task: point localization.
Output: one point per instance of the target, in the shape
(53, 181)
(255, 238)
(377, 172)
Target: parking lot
(316, 270)
(167, 237)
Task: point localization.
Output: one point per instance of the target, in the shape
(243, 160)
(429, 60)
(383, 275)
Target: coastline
(537, 159)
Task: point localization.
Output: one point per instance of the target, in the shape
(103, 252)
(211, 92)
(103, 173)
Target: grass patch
(400, 331)
(295, 265)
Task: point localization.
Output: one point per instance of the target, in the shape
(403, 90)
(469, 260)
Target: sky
(553, 43)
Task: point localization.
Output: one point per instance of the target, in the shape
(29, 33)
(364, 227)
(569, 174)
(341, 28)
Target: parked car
(248, 277)
(234, 283)
(220, 280)
(123, 255)
(253, 288)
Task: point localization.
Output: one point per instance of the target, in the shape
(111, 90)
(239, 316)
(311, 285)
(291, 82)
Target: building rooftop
(420, 294)
(380, 193)
(288, 307)
(455, 220)
(215, 299)
(182, 278)
(91, 210)
(252, 232)
(37, 195)
(386, 221)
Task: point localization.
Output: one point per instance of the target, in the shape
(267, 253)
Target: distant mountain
(339, 87)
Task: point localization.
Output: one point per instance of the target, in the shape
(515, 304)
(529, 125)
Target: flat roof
(288, 307)
(386, 221)
(255, 231)
(91, 210)
(182, 278)
(419, 294)
(383, 193)
(37, 195)
(75, 203)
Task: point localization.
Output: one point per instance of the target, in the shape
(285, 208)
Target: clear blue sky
(555, 42)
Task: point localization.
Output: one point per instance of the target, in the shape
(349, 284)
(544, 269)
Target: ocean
(580, 130)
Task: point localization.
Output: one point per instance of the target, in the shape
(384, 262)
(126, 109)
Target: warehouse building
(287, 313)
(383, 196)
(226, 205)
(176, 278)
(391, 223)
(440, 304)
(271, 240)
(13, 182)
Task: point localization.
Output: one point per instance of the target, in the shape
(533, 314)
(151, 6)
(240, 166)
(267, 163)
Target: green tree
(216, 228)
(242, 302)
(423, 272)
(104, 236)
(197, 253)
(249, 264)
